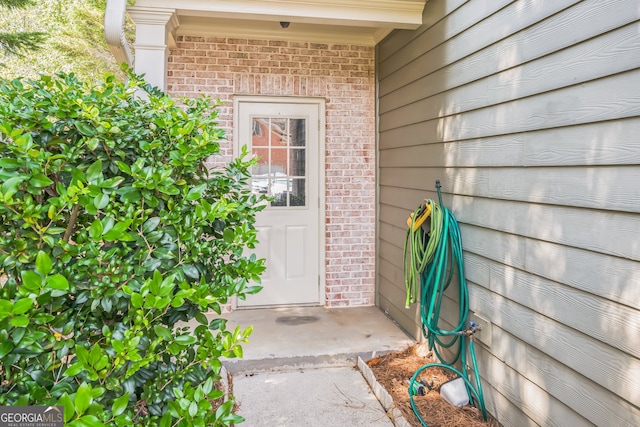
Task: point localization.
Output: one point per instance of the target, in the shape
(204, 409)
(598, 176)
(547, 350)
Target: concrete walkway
(299, 366)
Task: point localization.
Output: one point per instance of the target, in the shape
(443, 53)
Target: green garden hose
(436, 271)
(420, 247)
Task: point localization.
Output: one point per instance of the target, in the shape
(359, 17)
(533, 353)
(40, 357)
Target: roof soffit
(358, 21)
(399, 13)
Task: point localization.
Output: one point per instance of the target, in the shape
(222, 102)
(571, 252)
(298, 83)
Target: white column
(153, 39)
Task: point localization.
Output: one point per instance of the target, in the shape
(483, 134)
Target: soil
(394, 370)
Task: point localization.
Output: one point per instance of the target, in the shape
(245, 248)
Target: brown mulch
(394, 370)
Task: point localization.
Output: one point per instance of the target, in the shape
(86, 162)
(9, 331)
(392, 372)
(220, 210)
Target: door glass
(280, 144)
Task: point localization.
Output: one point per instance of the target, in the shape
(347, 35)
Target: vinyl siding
(528, 112)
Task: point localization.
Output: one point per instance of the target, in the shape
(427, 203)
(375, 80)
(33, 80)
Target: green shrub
(112, 233)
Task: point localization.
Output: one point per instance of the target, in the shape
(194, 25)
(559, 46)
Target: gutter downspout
(114, 31)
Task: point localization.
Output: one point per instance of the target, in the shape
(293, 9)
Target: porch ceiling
(343, 21)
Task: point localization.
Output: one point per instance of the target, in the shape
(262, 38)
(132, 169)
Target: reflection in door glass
(281, 171)
(297, 197)
(298, 132)
(297, 161)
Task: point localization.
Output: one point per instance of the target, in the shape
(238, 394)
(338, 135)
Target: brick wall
(342, 74)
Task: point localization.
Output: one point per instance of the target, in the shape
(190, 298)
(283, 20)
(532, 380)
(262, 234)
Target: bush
(112, 233)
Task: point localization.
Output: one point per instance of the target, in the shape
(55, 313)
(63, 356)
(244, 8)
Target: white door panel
(285, 136)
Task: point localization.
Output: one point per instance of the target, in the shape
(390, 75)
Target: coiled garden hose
(420, 246)
(435, 271)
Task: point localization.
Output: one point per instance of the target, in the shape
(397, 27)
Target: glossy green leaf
(117, 231)
(58, 281)
(5, 348)
(150, 224)
(74, 370)
(228, 235)
(191, 271)
(11, 185)
(22, 306)
(94, 171)
(166, 420)
(6, 307)
(185, 339)
(237, 351)
(252, 289)
(82, 399)
(43, 263)
(120, 404)
(43, 378)
(202, 319)
(112, 182)
(136, 300)
(95, 231)
(86, 421)
(31, 280)
(40, 180)
(196, 192)
(19, 321)
(118, 346)
(82, 354)
(124, 167)
(101, 201)
(69, 409)
(163, 332)
(85, 129)
(9, 163)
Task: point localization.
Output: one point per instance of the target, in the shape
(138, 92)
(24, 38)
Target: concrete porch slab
(302, 336)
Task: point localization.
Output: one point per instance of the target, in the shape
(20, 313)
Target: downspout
(114, 31)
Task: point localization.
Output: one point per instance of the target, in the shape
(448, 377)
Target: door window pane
(298, 132)
(259, 133)
(297, 161)
(298, 194)
(279, 161)
(281, 171)
(263, 160)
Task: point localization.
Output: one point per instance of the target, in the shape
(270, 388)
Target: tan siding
(599, 405)
(530, 398)
(529, 114)
(464, 18)
(611, 368)
(527, 42)
(598, 100)
(603, 275)
(594, 230)
(591, 187)
(594, 58)
(434, 13)
(603, 143)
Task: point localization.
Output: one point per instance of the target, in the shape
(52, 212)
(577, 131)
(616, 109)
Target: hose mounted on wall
(434, 260)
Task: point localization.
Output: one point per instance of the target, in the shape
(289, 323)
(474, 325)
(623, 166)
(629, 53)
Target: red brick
(311, 69)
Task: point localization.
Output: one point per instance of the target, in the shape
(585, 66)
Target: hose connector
(472, 329)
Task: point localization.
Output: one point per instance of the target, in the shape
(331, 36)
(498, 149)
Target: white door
(286, 137)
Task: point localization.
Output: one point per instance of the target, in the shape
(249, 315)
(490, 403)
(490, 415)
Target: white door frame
(321, 104)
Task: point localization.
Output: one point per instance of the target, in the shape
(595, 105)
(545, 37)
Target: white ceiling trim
(268, 30)
(402, 14)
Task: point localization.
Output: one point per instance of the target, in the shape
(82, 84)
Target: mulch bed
(394, 370)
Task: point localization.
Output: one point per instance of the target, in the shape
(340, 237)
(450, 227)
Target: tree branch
(72, 223)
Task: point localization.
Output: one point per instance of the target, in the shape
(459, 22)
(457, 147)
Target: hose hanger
(417, 217)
